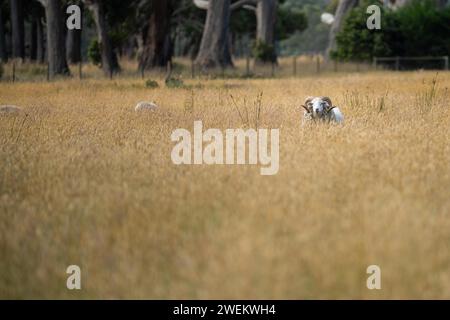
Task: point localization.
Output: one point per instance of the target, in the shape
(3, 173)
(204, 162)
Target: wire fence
(400, 63)
(295, 66)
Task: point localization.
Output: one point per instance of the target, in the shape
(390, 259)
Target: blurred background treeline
(216, 33)
(421, 28)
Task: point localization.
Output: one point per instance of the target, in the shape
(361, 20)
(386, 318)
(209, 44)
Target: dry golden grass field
(85, 180)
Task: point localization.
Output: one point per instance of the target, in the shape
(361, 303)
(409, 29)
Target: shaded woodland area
(147, 30)
(213, 33)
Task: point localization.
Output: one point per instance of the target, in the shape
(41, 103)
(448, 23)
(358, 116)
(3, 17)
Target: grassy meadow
(85, 180)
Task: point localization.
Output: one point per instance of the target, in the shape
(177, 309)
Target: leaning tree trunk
(214, 48)
(343, 8)
(18, 29)
(266, 14)
(157, 51)
(56, 42)
(3, 51)
(110, 64)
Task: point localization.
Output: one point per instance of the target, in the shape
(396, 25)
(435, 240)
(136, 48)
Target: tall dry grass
(85, 180)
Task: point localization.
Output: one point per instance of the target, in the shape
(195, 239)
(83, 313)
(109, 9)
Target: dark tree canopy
(419, 28)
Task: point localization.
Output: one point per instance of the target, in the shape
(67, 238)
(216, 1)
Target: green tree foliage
(289, 21)
(95, 53)
(263, 52)
(417, 29)
(187, 26)
(243, 22)
(315, 37)
(121, 16)
(332, 6)
(425, 29)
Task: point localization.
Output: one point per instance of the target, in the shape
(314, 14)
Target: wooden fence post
(48, 71)
(14, 72)
(247, 66)
(375, 63)
(446, 62)
(317, 64)
(397, 63)
(295, 65)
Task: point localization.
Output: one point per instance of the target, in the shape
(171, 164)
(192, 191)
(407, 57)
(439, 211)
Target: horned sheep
(321, 109)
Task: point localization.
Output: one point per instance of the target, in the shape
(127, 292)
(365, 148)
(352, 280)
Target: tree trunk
(33, 31)
(157, 51)
(3, 51)
(33, 40)
(37, 47)
(56, 42)
(343, 8)
(266, 14)
(73, 42)
(18, 29)
(74, 46)
(131, 48)
(214, 48)
(266, 18)
(40, 47)
(110, 64)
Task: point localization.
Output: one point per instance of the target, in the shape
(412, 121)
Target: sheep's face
(318, 107)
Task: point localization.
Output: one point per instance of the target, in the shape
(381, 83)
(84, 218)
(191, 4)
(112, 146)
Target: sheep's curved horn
(330, 108)
(327, 99)
(306, 105)
(306, 108)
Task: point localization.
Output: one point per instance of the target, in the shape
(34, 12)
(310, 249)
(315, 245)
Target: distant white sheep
(146, 106)
(321, 109)
(10, 109)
